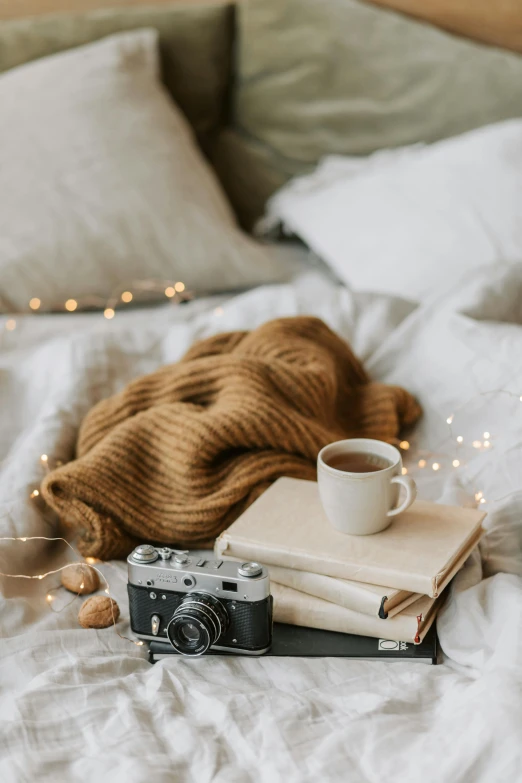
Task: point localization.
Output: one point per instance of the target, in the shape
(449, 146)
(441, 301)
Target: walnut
(99, 611)
(81, 579)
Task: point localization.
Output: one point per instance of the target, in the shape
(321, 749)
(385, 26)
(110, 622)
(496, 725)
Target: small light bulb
(435, 466)
(108, 313)
(139, 644)
(449, 419)
(82, 586)
(404, 445)
(478, 495)
(482, 500)
(487, 444)
(107, 590)
(456, 463)
(10, 324)
(460, 439)
(422, 463)
(44, 458)
(477, 444)
(41, 576)
(34, 303)
(487, 436)
(126, 297)
(71, 305)
(170, 291)
(22, 539)
(34, 493)
(91, 560)
(179, 287)
(404, 471)
(218, 311)
(49, 598)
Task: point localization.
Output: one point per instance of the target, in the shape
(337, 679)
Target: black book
(295, 641)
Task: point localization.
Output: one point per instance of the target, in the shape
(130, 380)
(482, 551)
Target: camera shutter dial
(145, 553)
(250, 569)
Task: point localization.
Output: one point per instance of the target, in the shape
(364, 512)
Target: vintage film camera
(199, 603)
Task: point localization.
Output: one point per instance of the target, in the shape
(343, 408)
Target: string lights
(88, 562)
(139, 289)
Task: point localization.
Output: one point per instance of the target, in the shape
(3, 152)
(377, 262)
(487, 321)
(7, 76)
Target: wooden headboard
(496, 22)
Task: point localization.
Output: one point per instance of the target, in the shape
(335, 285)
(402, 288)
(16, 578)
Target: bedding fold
(179, 454)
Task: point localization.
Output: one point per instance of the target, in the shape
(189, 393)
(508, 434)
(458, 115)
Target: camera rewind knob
(250, 569)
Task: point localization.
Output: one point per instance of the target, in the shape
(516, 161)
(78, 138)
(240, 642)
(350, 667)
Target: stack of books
(389, 585)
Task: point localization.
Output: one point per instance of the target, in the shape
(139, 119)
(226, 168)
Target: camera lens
(197, 623)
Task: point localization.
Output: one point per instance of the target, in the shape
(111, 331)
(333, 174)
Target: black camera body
(198, 603)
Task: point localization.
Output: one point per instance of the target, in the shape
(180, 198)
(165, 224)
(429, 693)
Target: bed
(84, 705)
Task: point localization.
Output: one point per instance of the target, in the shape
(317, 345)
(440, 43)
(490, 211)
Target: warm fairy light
(82, 586)
(449, 419)
(126, 297)
(435, 466)
(404, 471)
(44, 458)
(460, 439)
(404, 445)
(35, 303)
(477, 444)
(482, 500)
(218, 311)
(49, 596)
(486, 444)
(456, 463)
(487, 436)
(108, 313)
(92, 560)
(71, 305)
(422, 463)
(170, 291)
(34, 493)
(10, 324)
(179, 287)
(478, 495)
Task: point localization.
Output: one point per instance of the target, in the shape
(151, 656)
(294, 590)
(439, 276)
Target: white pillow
(101, 184)
(412, 221)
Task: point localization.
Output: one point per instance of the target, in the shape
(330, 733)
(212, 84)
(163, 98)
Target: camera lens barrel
(198, 622)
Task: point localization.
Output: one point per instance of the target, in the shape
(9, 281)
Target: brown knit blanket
(179, 454)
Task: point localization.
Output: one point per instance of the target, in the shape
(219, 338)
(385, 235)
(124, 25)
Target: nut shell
(99, 611)
(76, 575)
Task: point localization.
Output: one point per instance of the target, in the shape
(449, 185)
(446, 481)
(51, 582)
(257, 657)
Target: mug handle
(411, 493)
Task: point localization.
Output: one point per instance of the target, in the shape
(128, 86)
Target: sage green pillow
(344, 77)
(195, 48)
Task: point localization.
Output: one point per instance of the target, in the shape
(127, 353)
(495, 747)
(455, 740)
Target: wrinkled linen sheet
(80, 705)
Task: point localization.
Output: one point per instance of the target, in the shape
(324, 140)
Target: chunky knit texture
(179, 454)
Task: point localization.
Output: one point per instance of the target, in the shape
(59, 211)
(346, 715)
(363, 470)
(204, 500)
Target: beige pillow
(102, 184)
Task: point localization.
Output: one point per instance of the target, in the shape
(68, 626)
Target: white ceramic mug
(363, 503)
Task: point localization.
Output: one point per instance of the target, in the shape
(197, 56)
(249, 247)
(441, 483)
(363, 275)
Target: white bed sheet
(78, 705)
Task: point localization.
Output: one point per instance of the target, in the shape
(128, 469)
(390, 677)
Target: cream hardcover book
(296, 608)
(373, 600)
(419, 552)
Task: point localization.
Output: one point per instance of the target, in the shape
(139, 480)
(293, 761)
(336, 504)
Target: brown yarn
(179, 454)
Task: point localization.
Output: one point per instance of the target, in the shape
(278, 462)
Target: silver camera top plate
(184, 571)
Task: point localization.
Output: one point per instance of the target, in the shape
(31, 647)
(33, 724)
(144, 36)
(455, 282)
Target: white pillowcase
(102, 184)
(412, 221)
